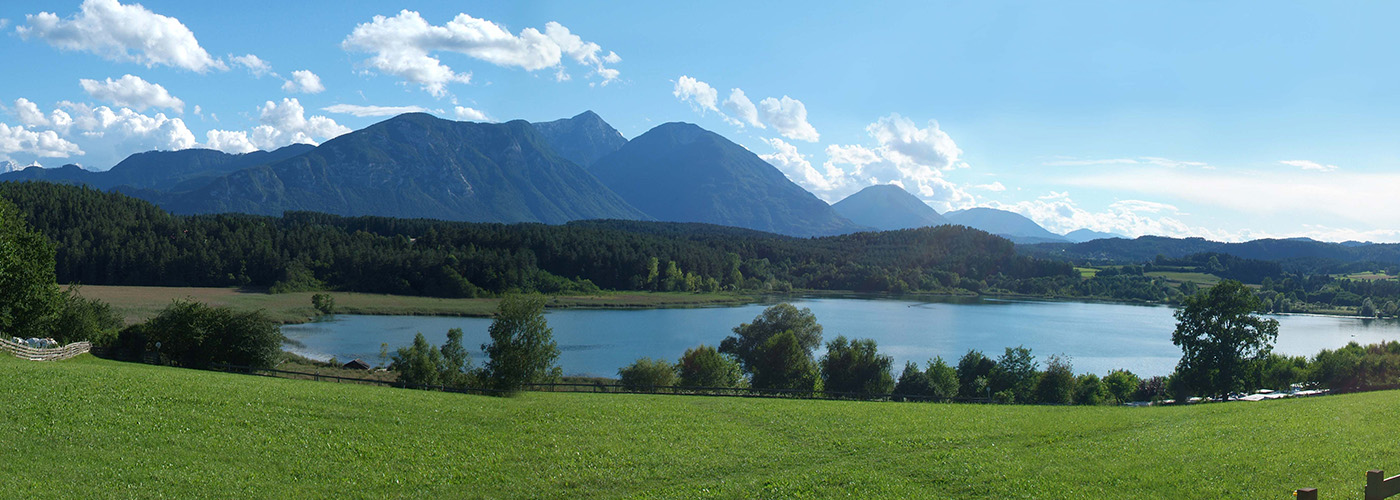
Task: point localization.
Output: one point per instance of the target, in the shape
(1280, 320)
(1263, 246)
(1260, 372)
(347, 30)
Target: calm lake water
(1097, 337)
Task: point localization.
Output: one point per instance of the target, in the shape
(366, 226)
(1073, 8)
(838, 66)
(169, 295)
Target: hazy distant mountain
(1147, 248)
(1011, 225)
(1083, 235)
(8, 166)
(189, 168)
(888, 207)
(159, 170)
(67, 174)
(419, 166)
(679, 172)
(582, 139)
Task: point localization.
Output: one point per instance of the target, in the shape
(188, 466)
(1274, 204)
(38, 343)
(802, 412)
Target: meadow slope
(94, 428)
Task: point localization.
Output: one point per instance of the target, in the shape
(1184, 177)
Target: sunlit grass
(137, 303)
(90, 428)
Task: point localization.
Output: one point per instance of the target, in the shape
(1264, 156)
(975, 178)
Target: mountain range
(419, 166)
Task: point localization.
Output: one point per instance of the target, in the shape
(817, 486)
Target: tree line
(111, 239)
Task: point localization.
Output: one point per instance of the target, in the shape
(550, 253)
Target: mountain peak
(582, 139)
(888, 207)
(1011, 225)
(679, 172)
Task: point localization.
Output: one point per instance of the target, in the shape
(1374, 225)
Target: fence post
(1379, 487)
(1306, 493)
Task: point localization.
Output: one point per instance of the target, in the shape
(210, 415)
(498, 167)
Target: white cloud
(1059, 213)
(303, 81)
(1309, 165)
(286, 123)
(363, 111)
(919, 152)
(228, 141)
(1141, 160)
(404, 46)
(796, 167)
(133, 92)
(789, 117)
(1365, 198)
(30, 116)
(124, 131)
(700, 95)
(44, 144)
(742, 108)
(995, 186)
(126, 33)
(254, 64)
(470, 114)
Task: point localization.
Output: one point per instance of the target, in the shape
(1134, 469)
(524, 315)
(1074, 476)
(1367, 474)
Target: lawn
(91, 428)
(1203, 280)
(136, 303)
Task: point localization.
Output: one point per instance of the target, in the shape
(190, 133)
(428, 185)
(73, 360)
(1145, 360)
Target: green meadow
(92, 428)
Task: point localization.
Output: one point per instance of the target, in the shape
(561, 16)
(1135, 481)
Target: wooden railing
(1378, 487)
(37, 354)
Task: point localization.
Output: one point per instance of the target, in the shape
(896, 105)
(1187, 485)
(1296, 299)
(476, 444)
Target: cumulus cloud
(745, 113)
(29, 115)
(253, 64)
(107, 135)
(303, 81)
(906, 154)
(133, 92)
(1058, 213)
(404, 46)
(470, 114)
(796, 166)
(363, 111)
(995, 186)
(44, 144)
(789, 117)
(124, 33)
(286, 123)
(1309, 165)
(229, 141)
(700, 95)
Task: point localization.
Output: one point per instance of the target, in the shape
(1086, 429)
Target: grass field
(91, 428)
(1179, 277)
(1367, 276)
(136, 303)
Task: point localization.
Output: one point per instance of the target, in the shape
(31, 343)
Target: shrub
(323, 302)
(704, 366)
(196, 335)
(1121, 386)
(856, 367)
(647, 374)
(1056, 385)
(83, 319)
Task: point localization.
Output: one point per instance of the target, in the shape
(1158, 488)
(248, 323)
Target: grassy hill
(98, 429)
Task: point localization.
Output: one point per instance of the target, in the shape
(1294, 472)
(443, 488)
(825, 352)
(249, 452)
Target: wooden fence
(37, 354)
(1378, 487)
(600, 387)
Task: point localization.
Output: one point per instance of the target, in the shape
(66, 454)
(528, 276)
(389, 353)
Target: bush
(422, 364)
(83, 319)
(195, 335)
(913, 382)
(973, 366)
(647, 374)
(1056, 385)
(856, 367)
(1089, 390)
(704, 366)
(1121, 386)
(323, 302)
(776, 349)
(785, 364)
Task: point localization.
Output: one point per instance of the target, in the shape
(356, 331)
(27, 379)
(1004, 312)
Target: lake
(1097, 337)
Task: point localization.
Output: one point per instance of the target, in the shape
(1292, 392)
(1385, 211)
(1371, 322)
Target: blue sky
(1229, 121)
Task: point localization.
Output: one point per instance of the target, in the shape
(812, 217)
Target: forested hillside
(109, 238)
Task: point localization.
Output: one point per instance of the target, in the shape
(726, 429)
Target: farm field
(105, 429)
(136, 303)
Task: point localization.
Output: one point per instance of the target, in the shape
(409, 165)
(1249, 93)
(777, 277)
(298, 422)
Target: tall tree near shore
(522, 348)
(1219, 334)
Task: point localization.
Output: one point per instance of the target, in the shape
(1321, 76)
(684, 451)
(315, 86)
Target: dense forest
(109, 238)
